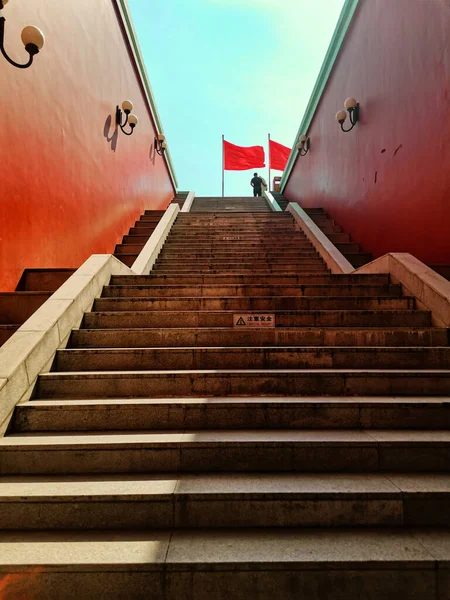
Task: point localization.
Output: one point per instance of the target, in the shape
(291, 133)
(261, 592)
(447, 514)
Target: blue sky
(244, 68)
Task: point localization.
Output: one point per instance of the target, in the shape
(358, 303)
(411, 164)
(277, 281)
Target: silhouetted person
(256, 184)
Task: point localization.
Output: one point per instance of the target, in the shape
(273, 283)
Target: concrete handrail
(273, 204)
(188, 202)
(334, 259)
(31, 350)
(149, 253)
(430, 289)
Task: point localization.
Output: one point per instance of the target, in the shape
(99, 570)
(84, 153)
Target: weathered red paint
(388, 181)
(64, 192)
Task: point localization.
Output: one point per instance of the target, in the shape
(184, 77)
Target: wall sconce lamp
(130, 120)
(33, 39)
(160, 144)
(303, 145)
(353, 110)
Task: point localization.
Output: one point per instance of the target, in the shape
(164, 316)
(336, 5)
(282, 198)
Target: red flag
(239, 158)
(279, 155)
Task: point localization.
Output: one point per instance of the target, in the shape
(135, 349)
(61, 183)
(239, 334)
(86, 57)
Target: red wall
(64, 192)
(388, 181)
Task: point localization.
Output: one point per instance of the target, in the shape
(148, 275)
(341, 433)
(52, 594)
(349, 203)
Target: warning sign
(232, 237)
(254, 320)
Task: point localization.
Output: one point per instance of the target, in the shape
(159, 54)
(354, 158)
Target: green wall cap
(124, 11)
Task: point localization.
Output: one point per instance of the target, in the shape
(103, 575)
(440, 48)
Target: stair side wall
(386, 182)
(71, 185)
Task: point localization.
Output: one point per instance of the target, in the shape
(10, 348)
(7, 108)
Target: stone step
(210, 286)
(339, 238)
(248, 240)
(237, 246)
(237, 242)
(224, 500)
(145, 225)
(195, 221)
(17, 307)
(309, 257)
(339, 281)
(202, 225)
(358, 564)
(233, 232)
(297, 266)
(219, 221)
(224, 210)
(129, 248)
(443, 270)
(330, 228)
(256, 303)
(254, 272)
(7, 331)
(312, 211)
(43, 279)
(306, 318)
(213, 234)
(213, 337)
(238, 205)
(187, 414)
(219, 451)
(228, 382)
(360, 259)
(141, 231)
(257, 269)
(149, 218)
(234, 217)
(320, 218)
(208, 253)
(348, 247)
(127, 259)
(219, 229)
(135, 239)
(142, 359)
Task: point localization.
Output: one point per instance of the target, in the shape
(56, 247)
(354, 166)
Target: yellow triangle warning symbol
(240, 321)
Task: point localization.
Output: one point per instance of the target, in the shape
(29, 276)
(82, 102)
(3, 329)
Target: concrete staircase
(281, 200)
(172, 453)
(351, 250)
(180, 199)
(343, 242)
(443, 270)
(37, 285)
(137, 237)
(34, 288)
(232, 204)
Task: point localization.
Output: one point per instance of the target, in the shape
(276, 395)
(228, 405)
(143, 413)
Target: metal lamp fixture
(352, 106)
(303, 145)
(130, 119)
(160, 144)
(33, 39)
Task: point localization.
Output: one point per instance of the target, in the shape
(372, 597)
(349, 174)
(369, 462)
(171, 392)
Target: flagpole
(223, 168)
(268, 183)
